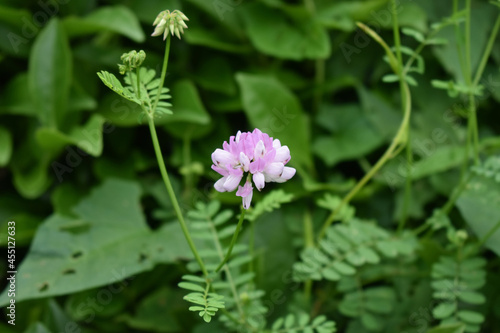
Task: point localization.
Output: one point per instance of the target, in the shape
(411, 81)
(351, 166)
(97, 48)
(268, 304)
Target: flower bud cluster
(170, 21)
(131, 61)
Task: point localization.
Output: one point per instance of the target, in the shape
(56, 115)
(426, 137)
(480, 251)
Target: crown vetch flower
(254, 152)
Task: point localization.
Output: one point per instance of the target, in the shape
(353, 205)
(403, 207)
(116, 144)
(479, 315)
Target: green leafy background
(98, 248)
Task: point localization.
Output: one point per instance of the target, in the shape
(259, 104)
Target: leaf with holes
(107, 241)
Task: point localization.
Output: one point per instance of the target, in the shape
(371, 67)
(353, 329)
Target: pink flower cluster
(254, 152)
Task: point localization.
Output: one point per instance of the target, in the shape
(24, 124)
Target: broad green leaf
(31, 181)
(88, 138)
(275, 110)
(198, 35)
(15, 98)
(342, 15)
(117, 19)
(147, 14)
(6, 146)
(290, 38)
(49, 74)
(354, 136)
(479, 204)
(372, 322)
(189, 118)
(215, 74)
(110, 231)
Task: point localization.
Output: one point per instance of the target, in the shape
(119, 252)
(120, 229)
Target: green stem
(251, 246)
(400, 138)
(229, 276)
(455, 194)
(186, 156)
(408, 184)
(409, 154)
(487, 52)
(319, 81)
(233, 240)
(489, 234)
(308, 243)
(138, 75)
(458, 40)
(172, 196)
(163, 73)
(468, 64)
(397, 39)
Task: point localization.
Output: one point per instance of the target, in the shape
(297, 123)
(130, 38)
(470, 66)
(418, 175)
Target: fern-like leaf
(270, 202)
(456, 282)
(210, 226)
(114, 84)
(332, 202)
(149, 91)
(371, 306)
(303, 323)
(347, 247)
(206, 304)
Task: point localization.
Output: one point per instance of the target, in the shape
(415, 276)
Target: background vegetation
(415, 249)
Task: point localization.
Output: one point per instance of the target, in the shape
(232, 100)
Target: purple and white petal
(282, 155)
(232, 182)
(274, 170)
(219, 185)
(259, 180)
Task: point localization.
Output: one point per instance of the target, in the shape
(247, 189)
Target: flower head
(255, 153)
(170, 21)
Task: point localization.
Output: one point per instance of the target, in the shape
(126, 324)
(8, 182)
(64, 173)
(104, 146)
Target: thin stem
(186, 156)
(319, 81)
(308, 243)
(458, 39)
(408, 184)
(468, 64)
(138, 75)
(172, 196)
(229, 276)
(397, 39)
(487, 52)
(489, 234)
(400, 138)
(251, 246)
(455, 194)
(163, 72)
(404, 96)
(233, 240)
